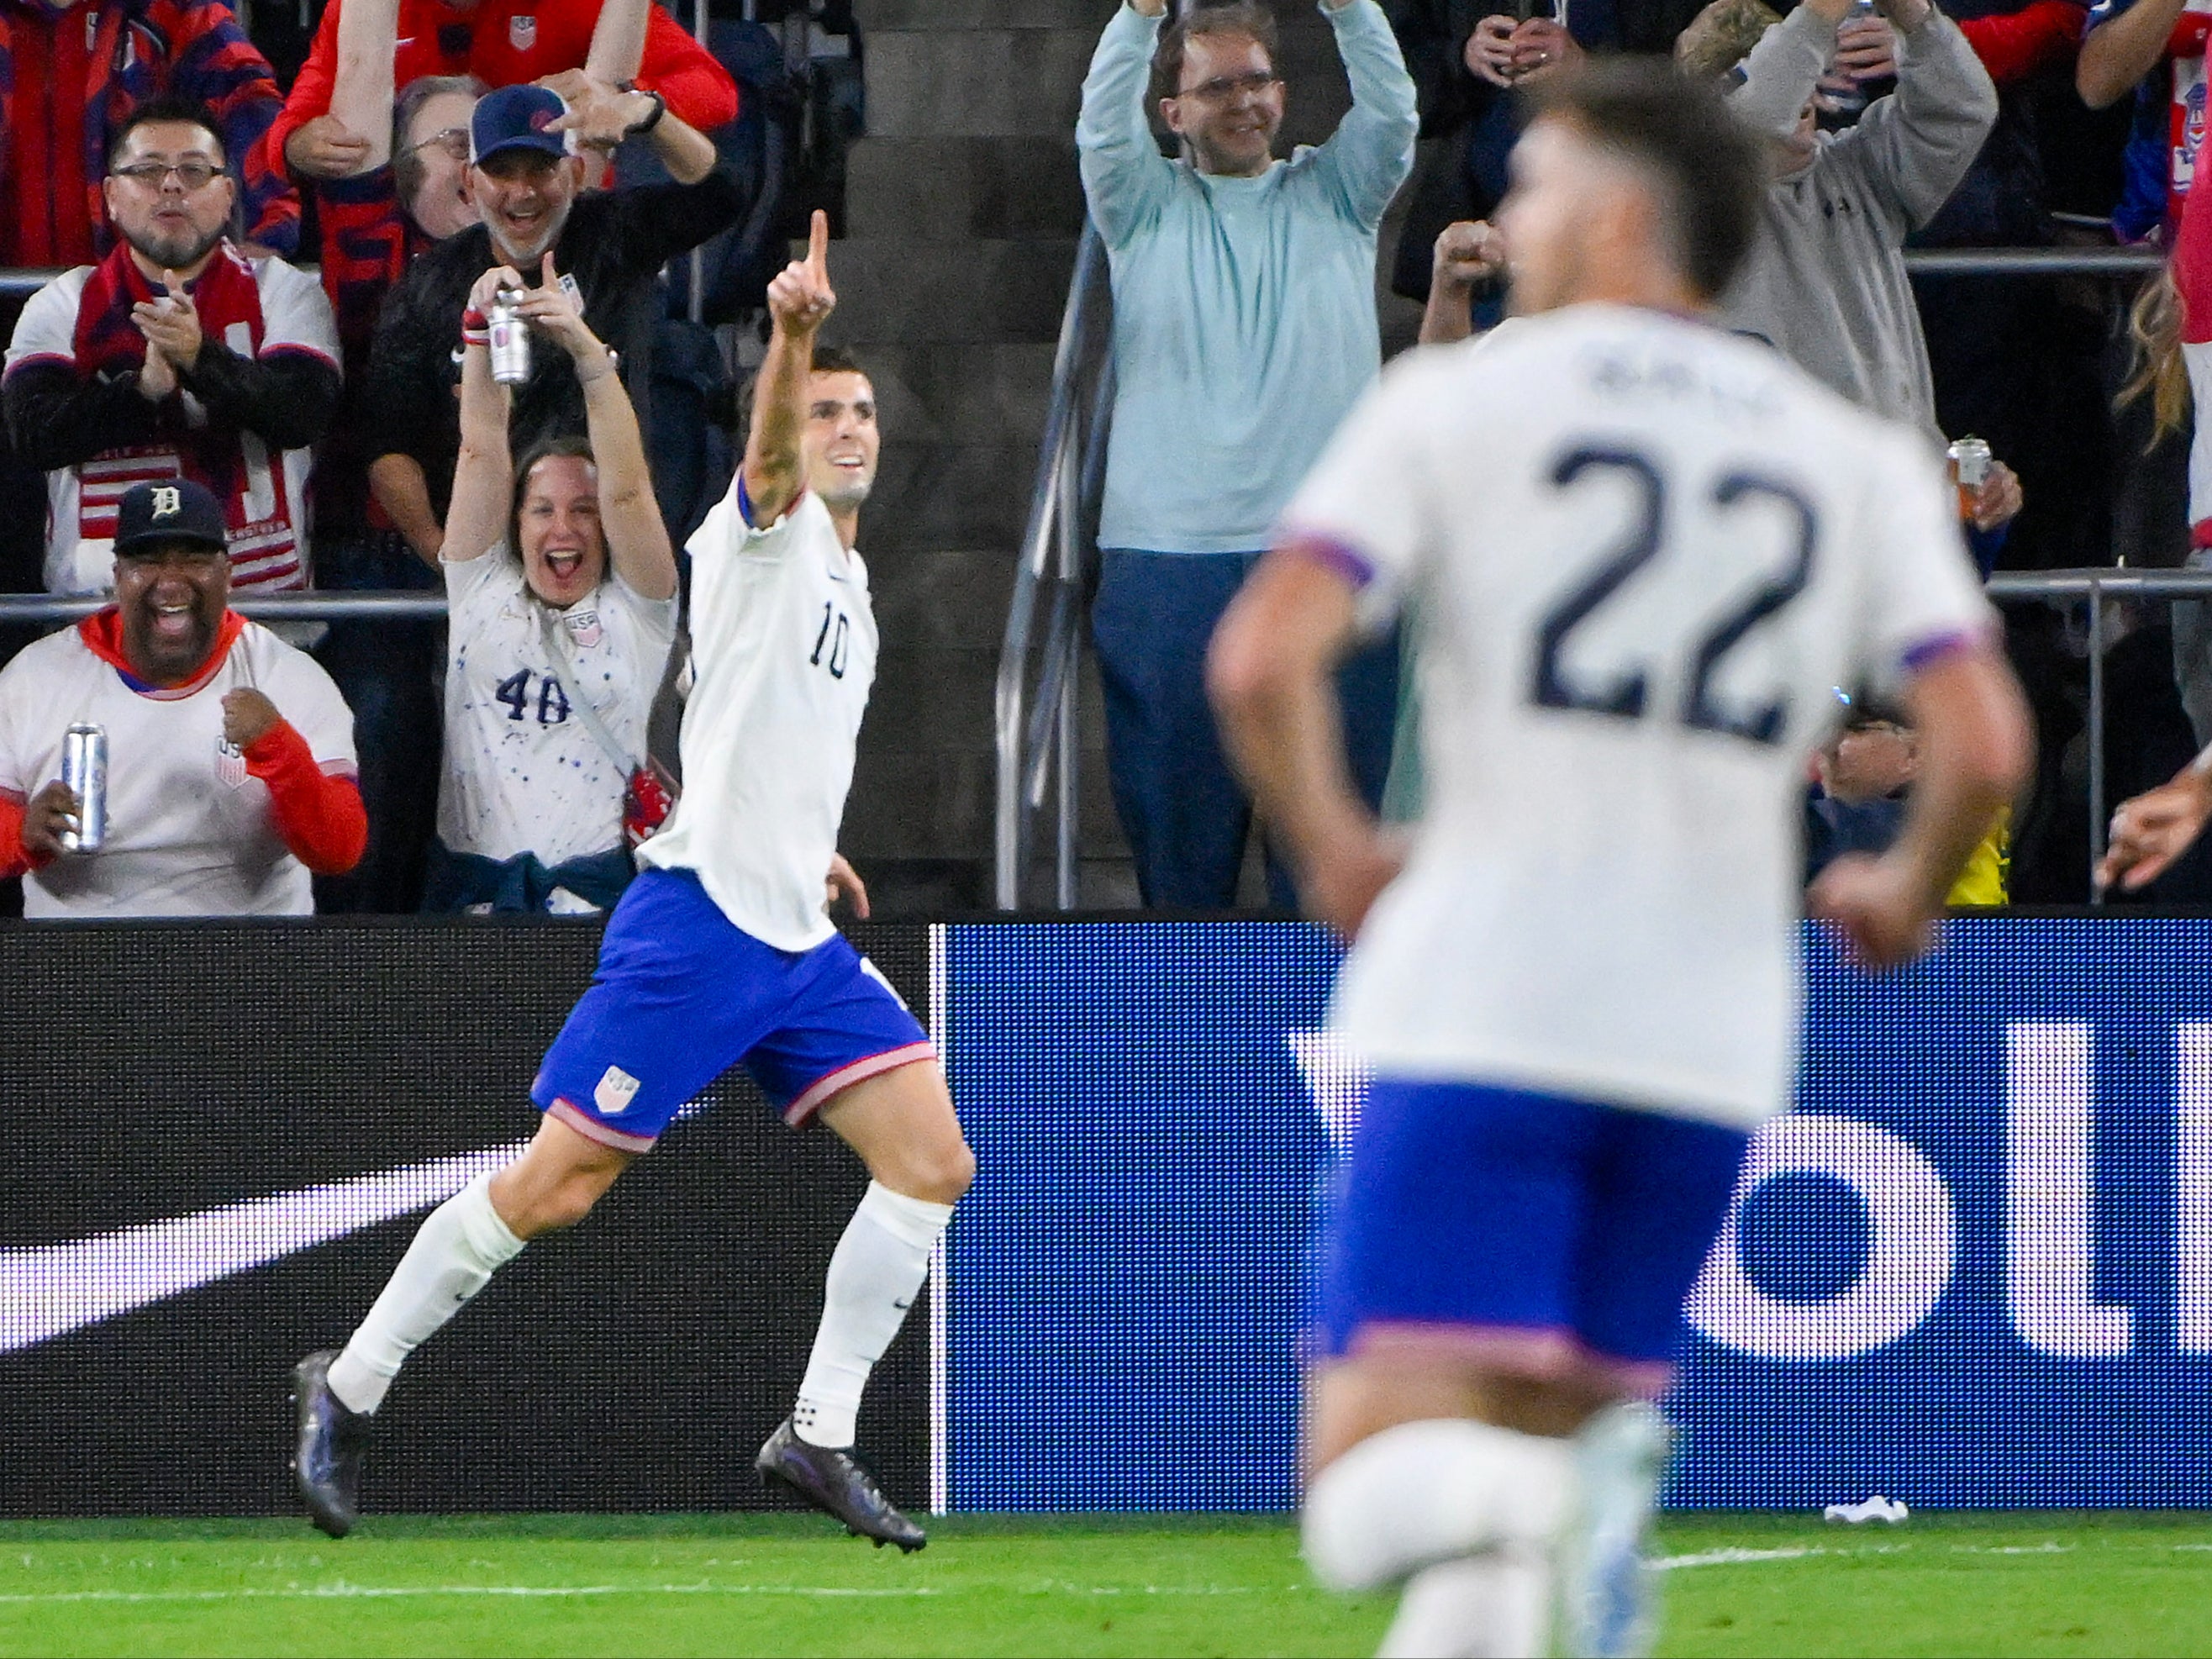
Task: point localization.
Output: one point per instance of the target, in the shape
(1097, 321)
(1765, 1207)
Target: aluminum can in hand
(84, 772)
(510, 339)
(1970, 460)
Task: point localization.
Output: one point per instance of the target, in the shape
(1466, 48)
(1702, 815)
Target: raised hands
(1468, 253)
(550, 310)
(600, 115)
(801, 299)
(172, 327)
(1505, 52)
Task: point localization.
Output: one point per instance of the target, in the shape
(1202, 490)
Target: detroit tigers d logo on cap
(169, 502)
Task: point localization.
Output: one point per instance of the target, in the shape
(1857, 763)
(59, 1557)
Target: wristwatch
(639, 129)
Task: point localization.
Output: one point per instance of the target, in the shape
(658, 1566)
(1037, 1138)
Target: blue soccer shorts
(682, 994)
(1544, 1237)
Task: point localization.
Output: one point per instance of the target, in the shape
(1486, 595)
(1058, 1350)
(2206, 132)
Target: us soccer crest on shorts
(615, 1092)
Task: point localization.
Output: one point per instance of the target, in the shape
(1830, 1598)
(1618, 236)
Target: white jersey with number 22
(1643, 552)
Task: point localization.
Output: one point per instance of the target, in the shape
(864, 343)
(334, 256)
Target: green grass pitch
(1139, 1585)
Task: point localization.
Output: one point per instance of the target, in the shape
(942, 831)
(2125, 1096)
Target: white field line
(1735, 1558)
(341, 1591)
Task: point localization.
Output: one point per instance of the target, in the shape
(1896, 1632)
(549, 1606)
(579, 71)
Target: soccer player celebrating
(1645, 551)
(720, 951)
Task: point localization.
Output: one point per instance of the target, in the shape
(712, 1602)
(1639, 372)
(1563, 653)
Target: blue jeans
(1186, 817)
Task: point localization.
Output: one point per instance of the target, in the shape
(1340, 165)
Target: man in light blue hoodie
(1244, 329)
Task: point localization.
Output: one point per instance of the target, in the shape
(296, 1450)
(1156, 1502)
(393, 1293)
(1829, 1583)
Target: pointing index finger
(817, 243)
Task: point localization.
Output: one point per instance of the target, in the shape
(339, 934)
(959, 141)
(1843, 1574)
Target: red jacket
(504, 43)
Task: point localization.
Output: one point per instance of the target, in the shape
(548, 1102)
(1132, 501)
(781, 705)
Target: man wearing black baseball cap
(526, 174)
(230, 756)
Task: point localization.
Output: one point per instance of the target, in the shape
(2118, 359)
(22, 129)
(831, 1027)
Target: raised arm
(483, 478)
(1786, 65)
(361, 97)
(2119, 51)
(1371, 151)
(619, 41)
(629, 517)
(799, 301)
(1917, 144)
(601, 116)
(1124, 177)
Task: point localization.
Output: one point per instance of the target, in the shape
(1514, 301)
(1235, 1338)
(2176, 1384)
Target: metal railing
(2097, 588)
(1036, 698)
(1037, 724)
(339, 604)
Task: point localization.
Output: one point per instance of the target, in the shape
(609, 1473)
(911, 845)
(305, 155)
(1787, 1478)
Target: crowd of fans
(454, 168)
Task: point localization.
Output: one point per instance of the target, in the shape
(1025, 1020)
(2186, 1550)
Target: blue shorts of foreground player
(681, 995)
(1544, 1237)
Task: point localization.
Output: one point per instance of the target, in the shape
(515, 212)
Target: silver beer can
(510, 339)
(84, 771)
(1972, 458)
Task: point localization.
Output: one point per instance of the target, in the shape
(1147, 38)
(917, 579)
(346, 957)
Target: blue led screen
(1974, 1269)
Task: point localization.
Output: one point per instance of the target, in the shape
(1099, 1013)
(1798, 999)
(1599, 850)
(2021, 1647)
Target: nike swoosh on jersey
(51, 1289)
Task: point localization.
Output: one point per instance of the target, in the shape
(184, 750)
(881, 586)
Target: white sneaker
(1607, 1607)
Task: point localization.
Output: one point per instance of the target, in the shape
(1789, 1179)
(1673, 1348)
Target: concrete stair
(962, 212)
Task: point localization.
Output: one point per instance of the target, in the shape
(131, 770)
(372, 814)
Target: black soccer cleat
(332, 1440)
(837, 1483)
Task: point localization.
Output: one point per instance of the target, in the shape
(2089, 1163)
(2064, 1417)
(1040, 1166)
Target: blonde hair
(2156, 365)
(1722, 36)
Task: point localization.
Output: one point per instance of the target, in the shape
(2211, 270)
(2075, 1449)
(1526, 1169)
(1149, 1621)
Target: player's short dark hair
(1710, 170)
(1246, 17)
(185, 110)
(834, 360)
(545, 449)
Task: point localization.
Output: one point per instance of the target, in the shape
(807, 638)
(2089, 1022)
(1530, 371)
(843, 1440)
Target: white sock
(1479, 1607)
(1415, 1498)
(1420, 1494)
(459, 1246)
(875, 1275)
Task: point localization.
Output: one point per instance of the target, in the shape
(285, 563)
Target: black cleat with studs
(839, 1484)
(332, 1440)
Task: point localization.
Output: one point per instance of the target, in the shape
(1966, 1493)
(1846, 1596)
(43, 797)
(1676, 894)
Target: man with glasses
(526, 181)
(1244, 328)
(177, 356)
(72, 71)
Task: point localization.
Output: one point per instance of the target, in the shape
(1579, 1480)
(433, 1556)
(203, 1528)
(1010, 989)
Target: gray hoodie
(1824, 281)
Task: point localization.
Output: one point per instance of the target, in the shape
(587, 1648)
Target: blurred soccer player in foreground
(720, 951)
(1645, 551)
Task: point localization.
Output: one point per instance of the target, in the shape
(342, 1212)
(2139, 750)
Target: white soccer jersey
(189, 833)
(783, 652)
(1645, 551)
(523, 773)
(269, 543)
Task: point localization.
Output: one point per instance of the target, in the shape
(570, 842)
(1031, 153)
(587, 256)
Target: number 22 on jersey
(1657, 529)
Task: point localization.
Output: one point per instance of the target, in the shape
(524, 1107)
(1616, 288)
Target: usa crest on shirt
(522, 32)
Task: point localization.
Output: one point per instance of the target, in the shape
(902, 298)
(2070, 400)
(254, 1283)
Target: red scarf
(235, 466)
